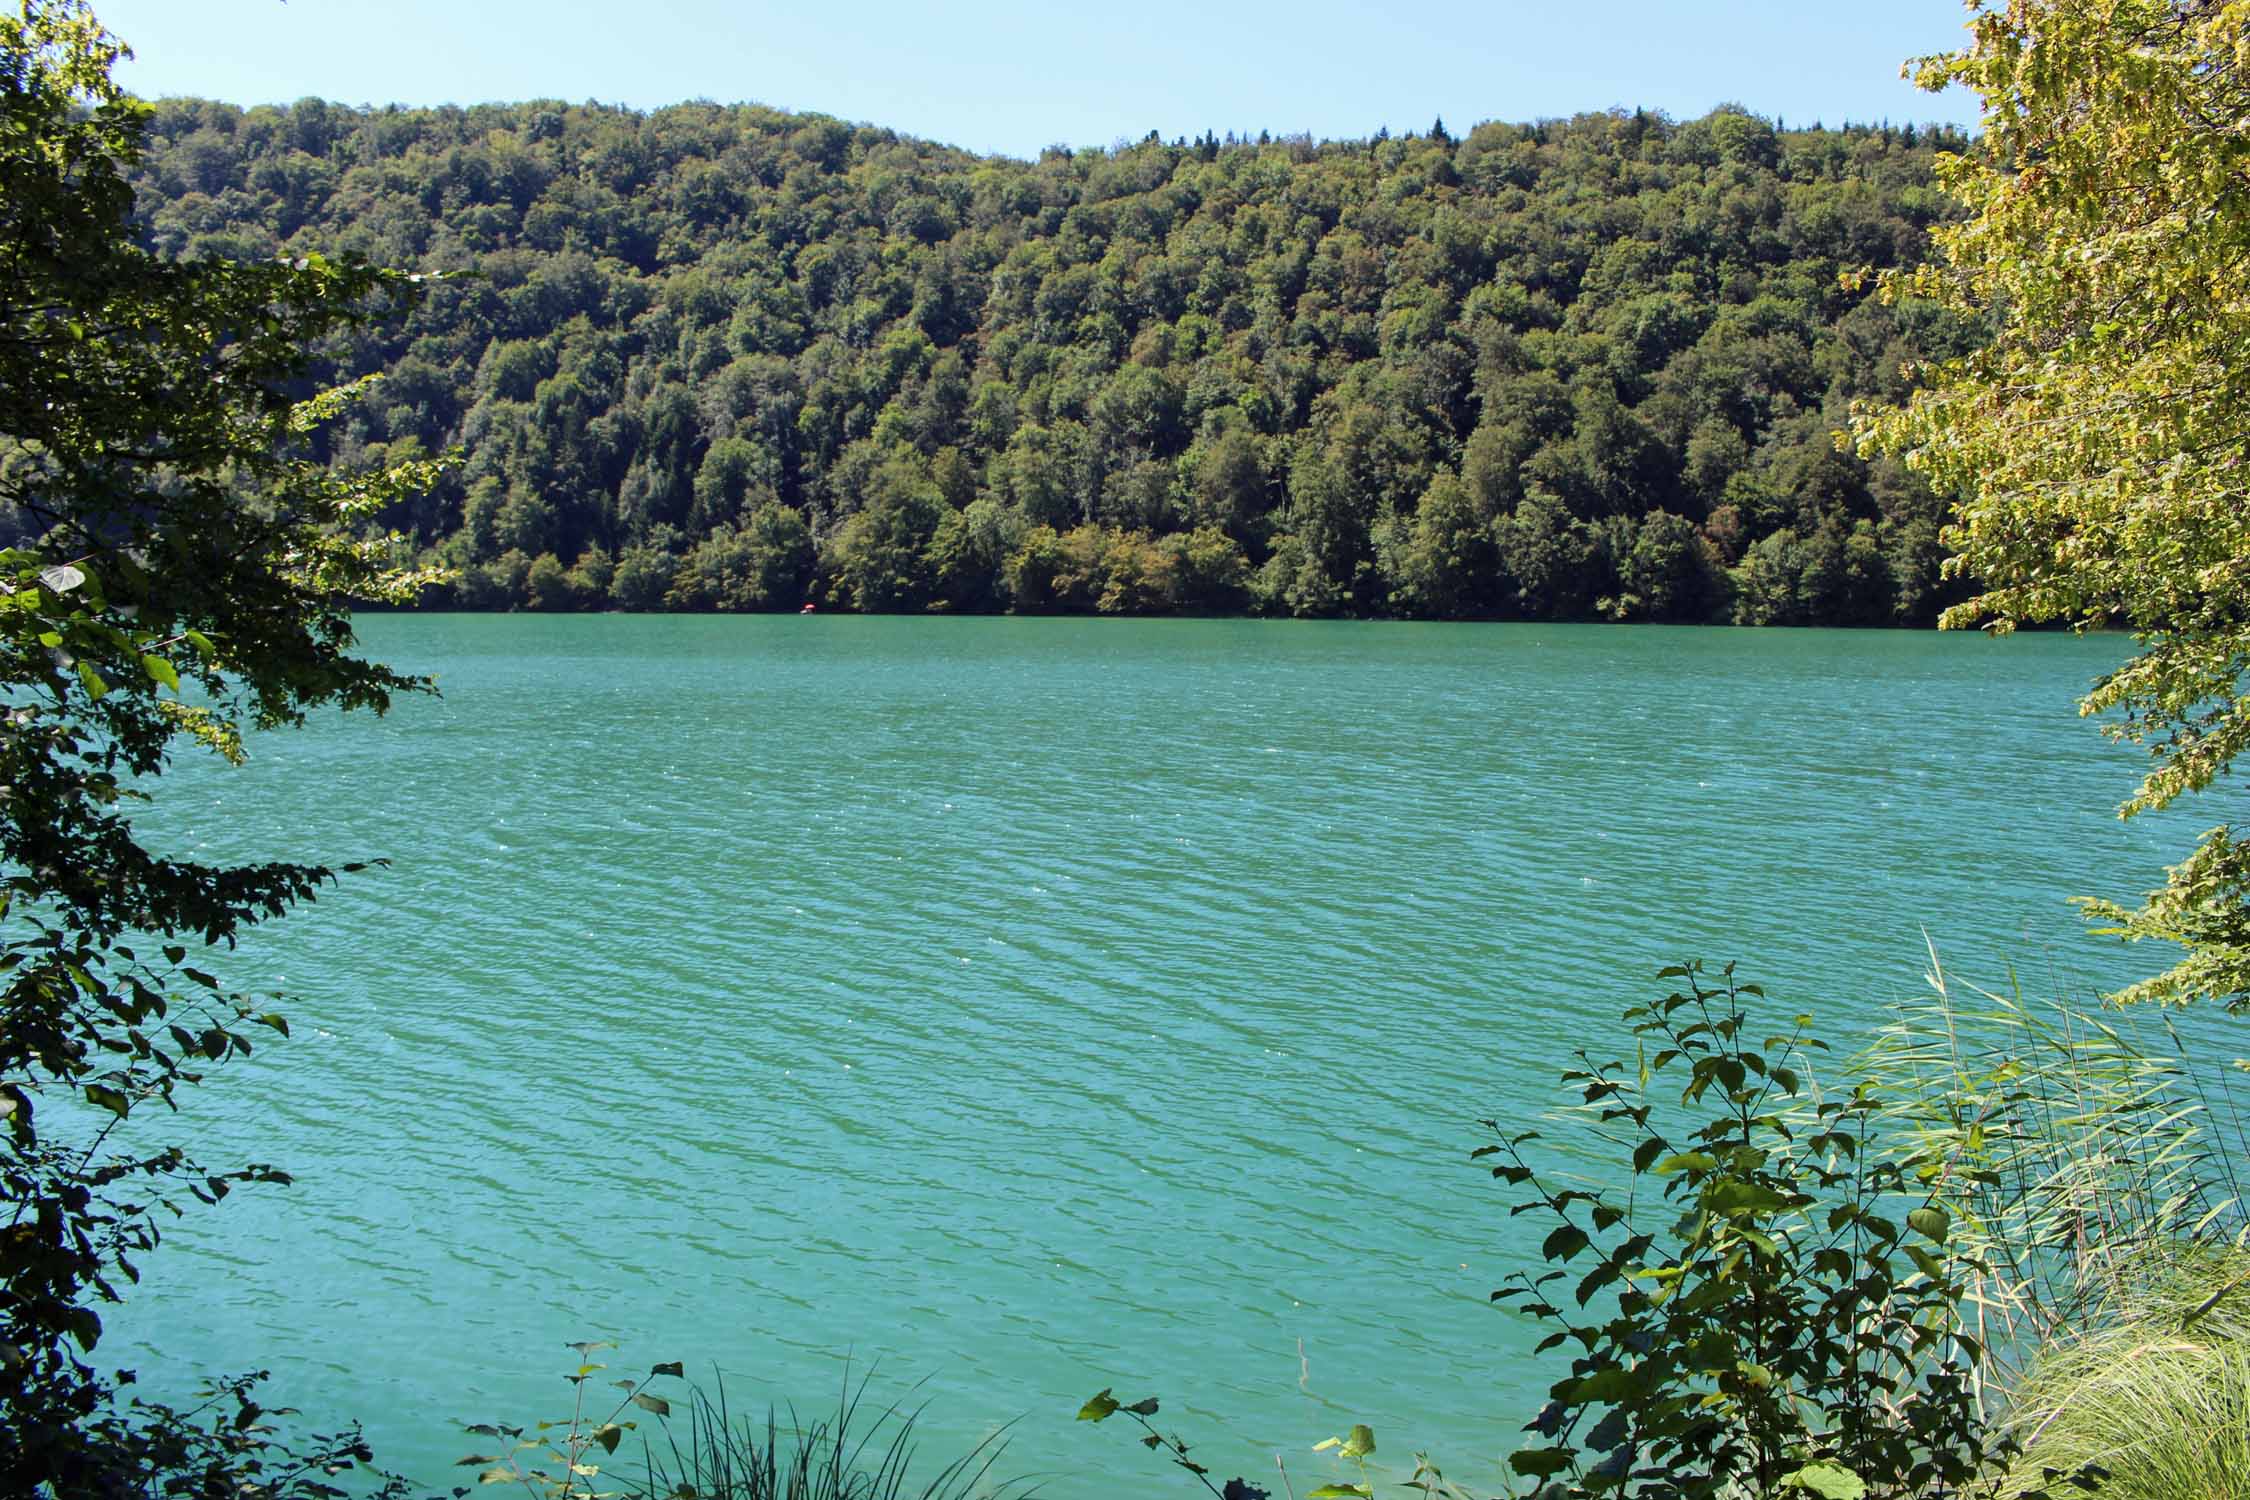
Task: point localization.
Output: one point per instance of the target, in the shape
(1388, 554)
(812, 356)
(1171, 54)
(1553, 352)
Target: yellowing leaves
(2094, 446)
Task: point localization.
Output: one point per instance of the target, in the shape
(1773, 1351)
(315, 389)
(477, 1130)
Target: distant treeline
(735, 359)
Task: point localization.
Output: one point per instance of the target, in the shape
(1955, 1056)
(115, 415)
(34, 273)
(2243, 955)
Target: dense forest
(734, 358)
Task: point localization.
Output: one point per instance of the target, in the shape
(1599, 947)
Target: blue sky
(1017, 75)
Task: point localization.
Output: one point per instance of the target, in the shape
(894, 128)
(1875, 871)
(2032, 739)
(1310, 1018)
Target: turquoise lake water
(1024, 1007)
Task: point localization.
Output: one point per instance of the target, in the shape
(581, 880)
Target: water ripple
(1042, 1005)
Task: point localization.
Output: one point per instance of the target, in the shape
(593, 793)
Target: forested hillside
(732, 358)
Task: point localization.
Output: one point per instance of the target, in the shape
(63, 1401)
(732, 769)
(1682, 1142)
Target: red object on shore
(808, 609)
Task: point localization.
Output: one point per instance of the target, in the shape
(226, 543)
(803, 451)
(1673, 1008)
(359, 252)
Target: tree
(2095, 445)
(766, 563)
(1632, 313)
(1448, 566)
(159, 531)
(1669, 569)
(879, 558)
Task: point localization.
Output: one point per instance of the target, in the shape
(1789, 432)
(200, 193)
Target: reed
(2093, 1168)
(2083, 1153)
(861, 1452)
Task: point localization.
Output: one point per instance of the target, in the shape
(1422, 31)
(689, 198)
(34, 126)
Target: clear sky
(1016, 75)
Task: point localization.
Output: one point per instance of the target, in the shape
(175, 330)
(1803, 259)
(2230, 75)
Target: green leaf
(1687, 1161)
(1743, 1197)
(669, 1367)
(1829, 1480)
(1564, 1243)
(1932, 1222)
(1339, 1492)
(1928, 1264)
(1604, 1385)
(609, 1434)
(1361, 1442)
(96, 689)
(499, 1474)
(1540, 1463)
(164, 673)
(109, 1099)
(1146, 1407)
(1100, 1409)
(657, 1404)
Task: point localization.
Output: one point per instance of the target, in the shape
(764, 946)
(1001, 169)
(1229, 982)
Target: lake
(1022, 1007)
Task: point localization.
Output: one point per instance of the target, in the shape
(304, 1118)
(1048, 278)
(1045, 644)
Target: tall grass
(859, 1453)
(2154, 1402)
(2094, 1170)
(2084, 1152)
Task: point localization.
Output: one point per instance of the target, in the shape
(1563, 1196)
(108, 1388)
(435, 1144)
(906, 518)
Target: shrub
(1781, 1313)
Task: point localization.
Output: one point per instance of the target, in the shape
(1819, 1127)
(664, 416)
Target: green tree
(970, 551)
(642, 578)
(728, 486)
(1208, 569)
(171, 573)
(880, 558)
(1229, 487)
(766, 563)
(1669, 569)
(686, 315)
(1557, 563)
(1769, 582)
(1448, 566)
(2095, 445)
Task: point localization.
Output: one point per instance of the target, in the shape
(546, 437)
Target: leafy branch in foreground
(1357, 1447)
(2094, 446)
(229, 1444)
(1769, 1304)
(1102, 1406)
(556, 1460)
(172, 571)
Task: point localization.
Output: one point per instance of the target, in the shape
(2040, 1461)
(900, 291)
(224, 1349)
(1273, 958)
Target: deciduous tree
(2097, 445)
(170, 572)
